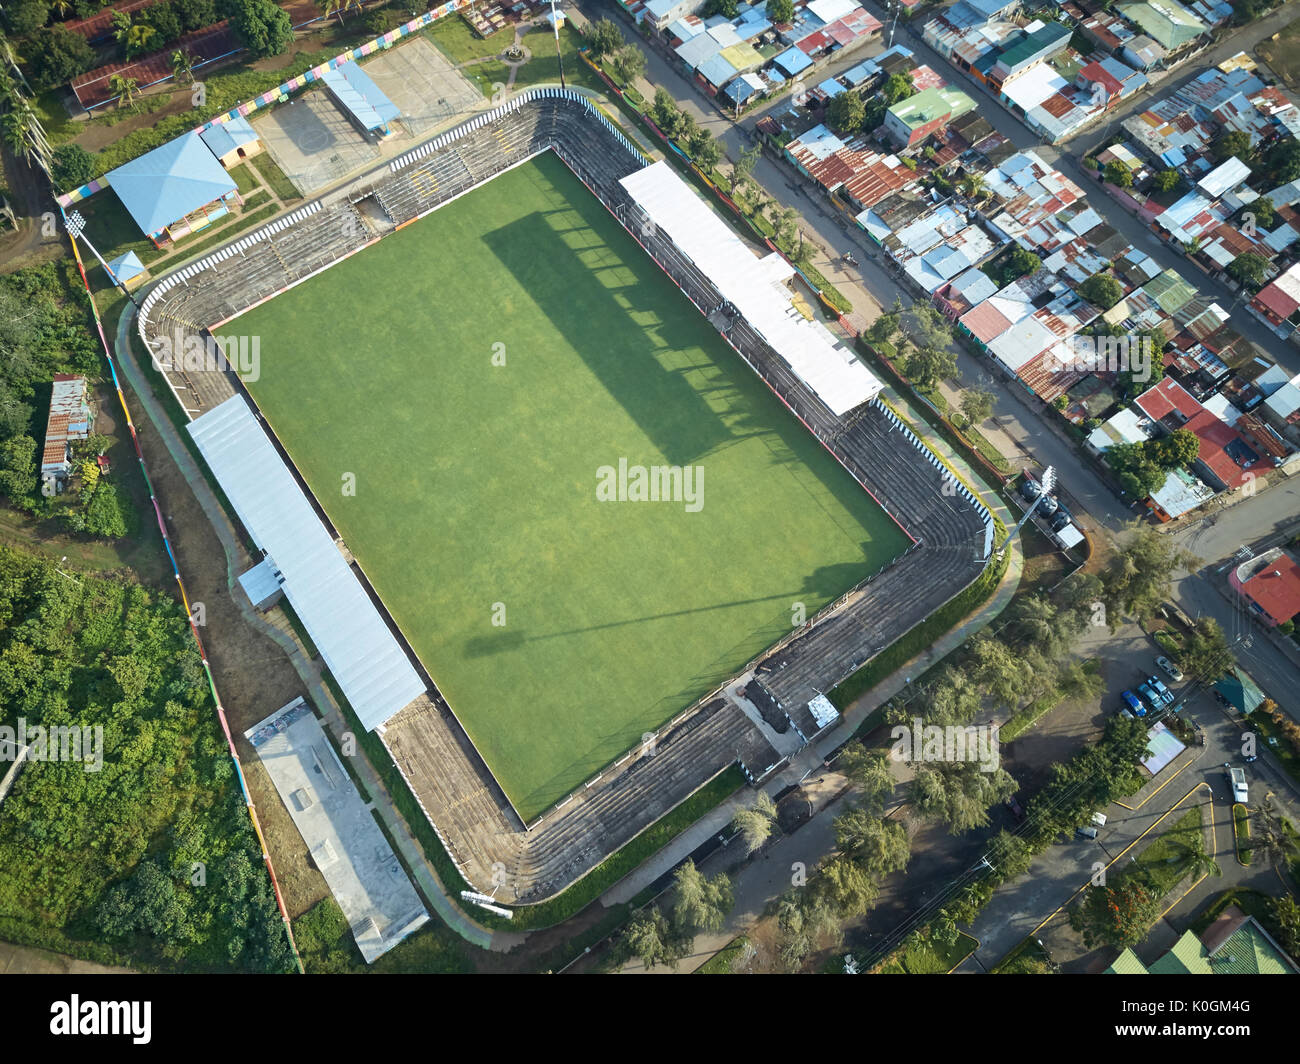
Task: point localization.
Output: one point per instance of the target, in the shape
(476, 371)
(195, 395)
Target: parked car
(1089, 830)
(1170, 669)
(1149, 696)
(1132, 704)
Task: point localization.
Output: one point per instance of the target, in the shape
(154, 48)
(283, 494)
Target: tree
(336, 7)
(885, 328)
(698, 902)
(1118, 915)
(929, 365)
(649, 937)
(164, 20)
(1137, 474)
(1287, 914)
(1176, 451)
(1165, 181)
(628, 63)
(262, 27)
(1206, 654)
(846, 112)
(780, 10)
(182, 67)
(72, 167)
(879, 846)
(1117, 174)
(755, 823)
(1260, 214)
(926, 327)
(1272, 839)
(744, 166)
(664, 112)
(974, 186)
(1229, 143)
(1137, 579)
(786, 224)
(704, 149)
(141, 38)
(897, 87)
(959, 793)
(123, 88)
(1101, 290)
(1248, 269)
(604, 38)
(845, 886)
(725, 8)
(804, 920)
(58, 54)
(868, 771)
(27, 16)
(18, 468)
(1283, 161)
(976, 405)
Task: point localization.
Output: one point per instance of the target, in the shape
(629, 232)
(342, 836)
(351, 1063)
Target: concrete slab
(313, 142)
(363, 873)
(421, 81)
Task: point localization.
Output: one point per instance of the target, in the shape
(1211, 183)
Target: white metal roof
(362, 654)
(754, 286)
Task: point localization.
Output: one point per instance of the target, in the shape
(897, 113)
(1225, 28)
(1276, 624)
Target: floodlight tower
(555, 25)
(76, 224)
(1048, 483)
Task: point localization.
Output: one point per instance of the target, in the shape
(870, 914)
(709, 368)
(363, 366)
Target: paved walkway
(308, 670)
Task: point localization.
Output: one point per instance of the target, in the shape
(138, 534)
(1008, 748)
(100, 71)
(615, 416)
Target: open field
(476, 482)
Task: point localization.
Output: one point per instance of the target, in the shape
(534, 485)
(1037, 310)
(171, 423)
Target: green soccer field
(473, 373)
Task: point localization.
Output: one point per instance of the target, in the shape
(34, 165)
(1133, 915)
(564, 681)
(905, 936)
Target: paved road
(1260, 523)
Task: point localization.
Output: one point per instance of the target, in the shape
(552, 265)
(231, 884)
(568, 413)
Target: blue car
(1132, 704)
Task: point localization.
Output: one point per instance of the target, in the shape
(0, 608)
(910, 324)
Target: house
(1041, 41)
(1270, 584)
(1235, 944)
(1127, 426)
(232, 141)
(1169, 24)
(910, 121)
(662, 13)
(71, 418)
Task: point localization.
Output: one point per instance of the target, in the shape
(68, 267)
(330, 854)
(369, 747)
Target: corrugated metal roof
(166, 184)
(753, 286)
(362, 654)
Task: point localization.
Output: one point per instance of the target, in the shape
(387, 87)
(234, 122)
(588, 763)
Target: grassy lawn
(458, 42)
(1241, 832)
(1026, 959)
(1283, 54)
(1024, 719)
(1272, 740)
(927, 957)
(559, 627)
(328, 948)
(243, 179)
(544, 66)
(1166, 860)
(721, 962)
(274, 177)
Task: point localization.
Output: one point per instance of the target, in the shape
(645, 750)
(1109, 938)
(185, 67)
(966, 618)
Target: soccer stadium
(577, 507)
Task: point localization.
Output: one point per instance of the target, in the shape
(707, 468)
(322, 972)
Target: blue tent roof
(124, 267)
(792, 61)
(164, 185)
(353, 88)
(224, 137)
(831, 87)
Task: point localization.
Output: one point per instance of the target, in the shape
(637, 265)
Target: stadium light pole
(76, 224)
(559, 55)
(1048, 483)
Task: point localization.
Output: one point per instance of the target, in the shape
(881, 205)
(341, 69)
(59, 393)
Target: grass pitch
(473, 372)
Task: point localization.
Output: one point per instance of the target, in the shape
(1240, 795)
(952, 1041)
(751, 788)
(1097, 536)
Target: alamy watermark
(1132, 353)
(61, 742)
(660, 483)
(948, 742)
(193, 353)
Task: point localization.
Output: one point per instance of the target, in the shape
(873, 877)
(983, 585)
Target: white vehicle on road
(1237, 776)
(1170, 669)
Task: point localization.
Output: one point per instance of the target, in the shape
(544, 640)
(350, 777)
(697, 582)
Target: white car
(1170, 669)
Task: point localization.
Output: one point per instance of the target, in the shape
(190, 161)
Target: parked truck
(1237, 777)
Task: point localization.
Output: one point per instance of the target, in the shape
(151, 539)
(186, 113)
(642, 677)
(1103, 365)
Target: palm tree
(975, 186)
(61, 7)
(1274, 838)
(182, 67)
(123, 89)
(337, 7)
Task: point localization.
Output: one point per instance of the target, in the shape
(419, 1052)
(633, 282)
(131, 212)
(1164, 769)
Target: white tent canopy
(754, 286)
(362, 654)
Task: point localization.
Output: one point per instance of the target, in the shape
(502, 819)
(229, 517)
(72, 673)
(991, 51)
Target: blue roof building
(176, 189)
(361, 98)
(127, 267)
(232, 140)
(791, 62)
